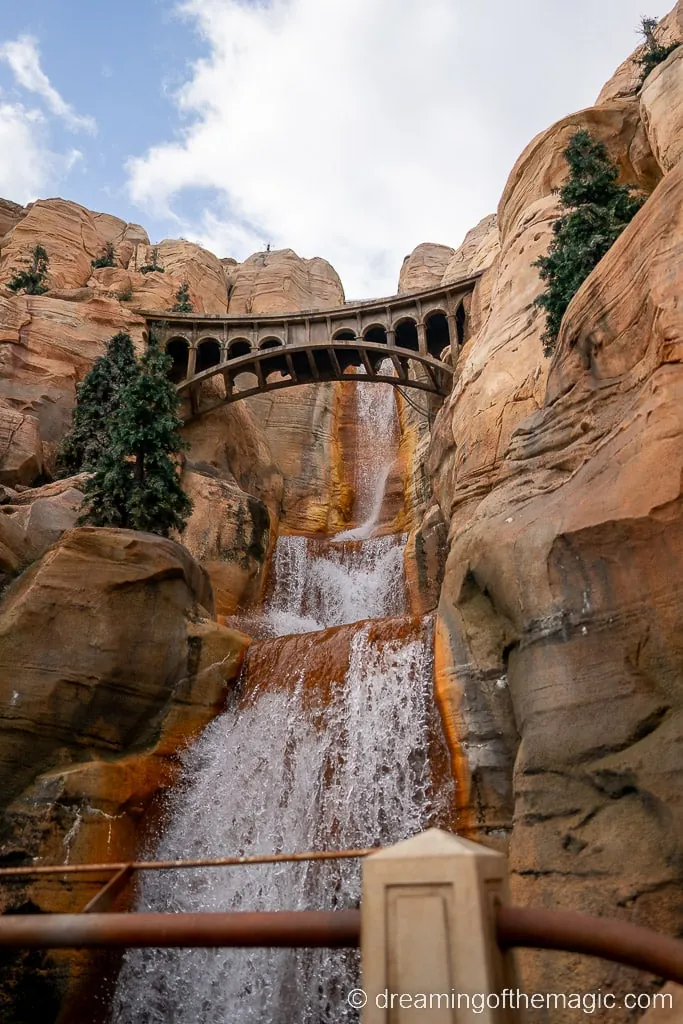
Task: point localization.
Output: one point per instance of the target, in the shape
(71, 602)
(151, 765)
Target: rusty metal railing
(609, 939)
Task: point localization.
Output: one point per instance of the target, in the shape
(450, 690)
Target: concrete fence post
(428, 945)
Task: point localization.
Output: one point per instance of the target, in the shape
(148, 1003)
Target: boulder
(282, 282)
(424, 267)
(183, 262)
(99, 642)
(229, 532)
(21, 449)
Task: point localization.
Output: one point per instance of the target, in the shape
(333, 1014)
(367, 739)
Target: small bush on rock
(183, 302)
(599, 210)
(106, 259)
(32, 280)
(154, 265)
(654, 53)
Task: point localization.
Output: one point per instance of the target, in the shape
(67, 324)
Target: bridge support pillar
(428, 933)
(422, 338)
(191, 362)
(453, 334)
(391, 338)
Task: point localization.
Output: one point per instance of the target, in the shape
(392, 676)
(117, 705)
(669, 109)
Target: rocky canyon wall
(559, 658)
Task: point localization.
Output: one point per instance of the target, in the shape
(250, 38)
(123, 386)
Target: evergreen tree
(599, 210)
(106, 259)
(136, 484)
(654, 53)
(97, 402)
(32, 280)
(183, 302)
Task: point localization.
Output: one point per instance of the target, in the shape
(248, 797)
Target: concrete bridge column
(191, 362)
(422, 338)
(453, 334)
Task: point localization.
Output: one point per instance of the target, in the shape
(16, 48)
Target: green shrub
(599, 210)
(654, 53)
(32, 280)
(106, 259)
(183, 302)
(154, 265)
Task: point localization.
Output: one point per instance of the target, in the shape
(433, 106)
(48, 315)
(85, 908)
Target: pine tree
(654, 53)
(599, 210)
(97, 402)
(183, 302)
(136, 484)
(32, 280)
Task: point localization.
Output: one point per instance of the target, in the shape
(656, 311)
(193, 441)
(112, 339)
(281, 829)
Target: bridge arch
(179, 350)
(344, 334)
(405, 330)
(239, 347)
(437, 332)
(271, 343)
(376, 333)
(208, 354)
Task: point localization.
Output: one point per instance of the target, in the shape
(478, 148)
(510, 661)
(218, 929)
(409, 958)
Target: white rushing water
(297, 767)
(267, 779)
(340, 583)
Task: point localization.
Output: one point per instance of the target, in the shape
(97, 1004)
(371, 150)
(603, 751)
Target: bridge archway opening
(323, 364)
(348, 357)
(376, 334)
(208, 354)
(344, 335)
(438, 335)
(278, 363)
(179, 351)
(406, 334)
(461, 323)
(240, 347)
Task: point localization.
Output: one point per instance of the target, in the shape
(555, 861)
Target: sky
(347, 129)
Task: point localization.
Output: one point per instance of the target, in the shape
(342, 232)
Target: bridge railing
(435, 920)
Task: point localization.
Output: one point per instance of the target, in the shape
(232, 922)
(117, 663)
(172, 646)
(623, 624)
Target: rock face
(661, 105)
(282, 282)
(477, 252)
(558, 657)
(183, 262)
(424, 267)
(110, 661)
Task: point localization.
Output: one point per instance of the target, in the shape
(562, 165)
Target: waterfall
(319, 585)
(332, 741)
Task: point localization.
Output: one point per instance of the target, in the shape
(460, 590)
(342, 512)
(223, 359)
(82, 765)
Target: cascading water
(329, 744)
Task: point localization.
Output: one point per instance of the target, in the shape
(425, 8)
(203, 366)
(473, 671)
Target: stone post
(453, 334)
(422, 338)
(391, 337)
(191, 362)
(428, 946)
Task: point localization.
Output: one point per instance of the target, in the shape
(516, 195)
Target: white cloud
(29, 167)
(354, 130)
(23, 57)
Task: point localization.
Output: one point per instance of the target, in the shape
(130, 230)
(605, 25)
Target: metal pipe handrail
(298, 929)
(610, 939)
(607, 938)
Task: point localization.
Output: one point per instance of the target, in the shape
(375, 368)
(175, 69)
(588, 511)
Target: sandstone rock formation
(110, 661)
(558, 641)
(424, 267)
(282, 282)
(661, 108)
(477, 252)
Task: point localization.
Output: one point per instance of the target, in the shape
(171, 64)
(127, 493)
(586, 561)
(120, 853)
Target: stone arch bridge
(420, 333)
